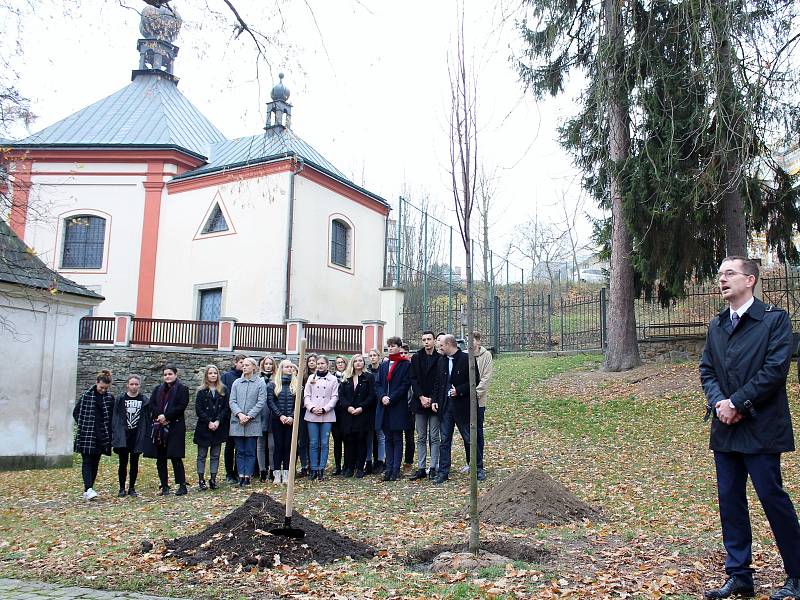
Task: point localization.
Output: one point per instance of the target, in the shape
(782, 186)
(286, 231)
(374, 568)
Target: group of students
(369, 405)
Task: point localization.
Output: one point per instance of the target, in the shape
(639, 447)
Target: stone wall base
(24, 463)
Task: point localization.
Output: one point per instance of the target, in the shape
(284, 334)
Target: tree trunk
(729, 136)
(622, 352)
(474, 523)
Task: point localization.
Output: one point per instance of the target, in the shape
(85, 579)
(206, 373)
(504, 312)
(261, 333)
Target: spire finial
(159, 27)
(279, 111)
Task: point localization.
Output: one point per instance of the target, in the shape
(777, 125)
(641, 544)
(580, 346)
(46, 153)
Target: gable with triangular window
(216, 220)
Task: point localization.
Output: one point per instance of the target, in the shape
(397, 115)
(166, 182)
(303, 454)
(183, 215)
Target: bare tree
(569, 227)
(543, 245)
(486, 191)
(463, 132)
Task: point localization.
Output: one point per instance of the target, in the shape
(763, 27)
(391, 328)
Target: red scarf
(394, 359)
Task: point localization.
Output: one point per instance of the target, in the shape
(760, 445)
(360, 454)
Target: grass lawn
(641, 458)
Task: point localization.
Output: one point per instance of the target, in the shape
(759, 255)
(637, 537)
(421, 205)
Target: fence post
(496, 322)
(561, 320)
(226, 334)
(425, 304)
(399, 240)
(450, 286)
(372, 335)
(603, 325)
(294, 333)
(522, 311)
(123, 328)
(549, 323)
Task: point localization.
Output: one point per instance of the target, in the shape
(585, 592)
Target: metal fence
(537, 321)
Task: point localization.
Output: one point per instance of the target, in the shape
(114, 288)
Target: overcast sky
(368, 80)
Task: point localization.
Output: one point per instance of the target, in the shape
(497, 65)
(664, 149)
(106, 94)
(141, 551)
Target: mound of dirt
(512, 549)
(243, 538)
(530, 498)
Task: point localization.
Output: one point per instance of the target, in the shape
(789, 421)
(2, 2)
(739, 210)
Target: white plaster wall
(324, 294)
(250, 264)
(37, 408)
(120, 196)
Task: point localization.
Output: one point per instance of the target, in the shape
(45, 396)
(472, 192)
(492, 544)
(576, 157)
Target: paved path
(13, 589)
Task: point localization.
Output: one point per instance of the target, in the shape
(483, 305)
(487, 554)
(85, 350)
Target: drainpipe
(298, 162)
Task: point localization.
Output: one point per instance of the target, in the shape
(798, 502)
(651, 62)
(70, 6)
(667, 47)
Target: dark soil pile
(531, 498)
(243, 538)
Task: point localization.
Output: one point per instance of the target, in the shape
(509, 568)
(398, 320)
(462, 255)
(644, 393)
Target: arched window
(84, 238)
(341, 242)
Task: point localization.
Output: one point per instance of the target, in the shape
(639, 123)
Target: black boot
(790, 589)
(420, 474)
(303, 473)
(241, 482)
(735, 585)
(263, 476)
(380, 467)
(368, 468)
(337, 471)
(212, 483)
(182, 491)
(320, 474)
(201, 483)
(164, 490)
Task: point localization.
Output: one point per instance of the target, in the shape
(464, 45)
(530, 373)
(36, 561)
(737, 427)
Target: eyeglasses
(730, 273)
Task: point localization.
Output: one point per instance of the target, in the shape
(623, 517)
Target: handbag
(160, 434)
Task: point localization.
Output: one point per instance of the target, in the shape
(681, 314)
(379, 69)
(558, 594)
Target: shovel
(287, 530)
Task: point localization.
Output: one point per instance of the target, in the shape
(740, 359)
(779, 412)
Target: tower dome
(280, 93)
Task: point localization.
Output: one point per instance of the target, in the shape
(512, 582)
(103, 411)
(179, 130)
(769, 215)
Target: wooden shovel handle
(298, 402)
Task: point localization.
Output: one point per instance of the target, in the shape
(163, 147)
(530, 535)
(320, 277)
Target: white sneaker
(464, 469)
(90, 494)
(276, 476)
(285, 476)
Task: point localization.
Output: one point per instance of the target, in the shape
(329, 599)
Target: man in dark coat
(228, 377)
(423, 382)
(391, 388)
(743, 370)
(452, 403)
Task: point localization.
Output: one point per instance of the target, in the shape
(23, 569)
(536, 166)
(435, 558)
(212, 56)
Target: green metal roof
(148, 112)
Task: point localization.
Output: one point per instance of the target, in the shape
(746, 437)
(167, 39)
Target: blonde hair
(264, 360)
(278, 381)
(218, 385)
(348, 372)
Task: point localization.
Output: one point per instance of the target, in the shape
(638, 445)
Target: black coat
(119, 424)
(749, 365)
(92, 414)
(211, 406)
(174, 413)
(395, 415)
(459, 378)
(423, 378)
(363, 396)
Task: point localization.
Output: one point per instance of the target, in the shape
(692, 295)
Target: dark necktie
(735, 319)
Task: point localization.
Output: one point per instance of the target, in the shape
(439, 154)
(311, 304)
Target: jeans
(245, 454)
(282, 434)
(265, 452)
(89, 467)
(451, 419)
(201, 459)
(122, 471)
(318, 434)
(394, 451)
(764, 470)
(481, 413)
(177, 468)
(427, 425)
(376, 445)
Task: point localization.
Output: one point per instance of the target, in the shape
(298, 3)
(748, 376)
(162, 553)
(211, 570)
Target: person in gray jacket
(248, 398)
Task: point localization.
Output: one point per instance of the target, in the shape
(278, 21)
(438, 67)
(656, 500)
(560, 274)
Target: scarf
(321, 374)
(394, 359)
(166, 394)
